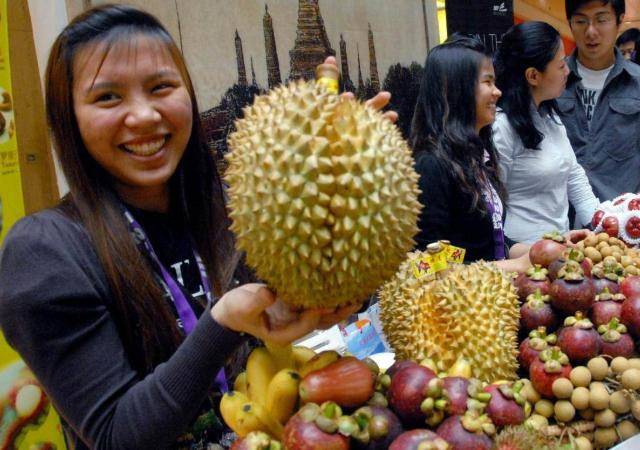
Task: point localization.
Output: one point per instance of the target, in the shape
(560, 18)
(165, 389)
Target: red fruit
(537, 313)
(630, 314)
(547, 250)
(607, 306)
(398, 365)
(634, 204)
(411, 440)
(503, 409)
(630, 286)
(301, 433)
(597, 217)
(256, 440)
(615, 339)
(533, 280)
(611, 226)
(531, 347)
(383, 427)
(407, 391)
(572, 291)
(355, 386)
(550, 365)
(465, 432)
(456, 389)
(633, 227)
(572, 254)
(578, 339)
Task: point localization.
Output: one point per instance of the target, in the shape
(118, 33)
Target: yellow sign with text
(27, 420)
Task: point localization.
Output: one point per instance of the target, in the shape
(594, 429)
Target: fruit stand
(484, 359)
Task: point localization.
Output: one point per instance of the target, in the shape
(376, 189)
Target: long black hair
(529, 44)
(145, 323)
(631, 35)
(444, 120)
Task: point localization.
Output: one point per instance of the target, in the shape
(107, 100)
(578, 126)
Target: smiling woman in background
(451, 138)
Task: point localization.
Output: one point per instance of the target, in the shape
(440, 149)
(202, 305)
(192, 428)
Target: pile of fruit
(325, 401)
(580, 315)
(619, 217)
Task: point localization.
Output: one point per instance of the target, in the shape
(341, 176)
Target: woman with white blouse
(537, 164)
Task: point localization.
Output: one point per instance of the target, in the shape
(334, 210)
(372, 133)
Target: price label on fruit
(428, 264)
(454, 254)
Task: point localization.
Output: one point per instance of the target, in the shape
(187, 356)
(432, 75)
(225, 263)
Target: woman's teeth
(146, 149)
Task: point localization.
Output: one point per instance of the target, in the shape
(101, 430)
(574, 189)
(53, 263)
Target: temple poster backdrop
(237, 49)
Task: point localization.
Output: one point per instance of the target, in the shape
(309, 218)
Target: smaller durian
(470, 311)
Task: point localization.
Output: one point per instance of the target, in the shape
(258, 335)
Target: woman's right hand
(254, 309)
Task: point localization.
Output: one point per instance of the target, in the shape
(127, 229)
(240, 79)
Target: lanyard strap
(185, 311)
(494, 208)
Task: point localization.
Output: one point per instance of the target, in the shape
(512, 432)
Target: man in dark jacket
(600, 106)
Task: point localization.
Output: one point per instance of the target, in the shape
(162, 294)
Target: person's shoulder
(50, 225)
(632, 68)
(428, 162)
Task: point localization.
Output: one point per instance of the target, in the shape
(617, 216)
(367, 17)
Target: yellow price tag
(428, 264)
(454, 254)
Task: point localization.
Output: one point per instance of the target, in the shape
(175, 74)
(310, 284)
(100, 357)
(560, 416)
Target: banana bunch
(266, 395)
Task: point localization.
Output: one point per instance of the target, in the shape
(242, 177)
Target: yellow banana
(230, 405)
(275, 428)
(282, 355)
(461, 368)
(244, 416)
(282, 397)
(319, 361)
(301, 355)
(261, 367)
(240, 383)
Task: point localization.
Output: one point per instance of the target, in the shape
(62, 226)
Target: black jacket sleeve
(435, 221)
(54, 310)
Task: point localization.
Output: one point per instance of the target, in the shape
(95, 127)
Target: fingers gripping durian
(323, 195)
(471, 311)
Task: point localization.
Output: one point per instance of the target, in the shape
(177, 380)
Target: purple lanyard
(494, 207)
(185, 312)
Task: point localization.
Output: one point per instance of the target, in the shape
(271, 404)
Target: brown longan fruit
(605, 437)
(634, 363)
(605, 418)
(603, 237)
(580, 376)
(635, 409)
(619, 364)
(619, 402)
(580, 397)
(630, 379)
(562, 388)
(582, 443)
(564, 411)
(598, 398)
(598, 367)
(627, 428)
(544, 407)
(530, 393)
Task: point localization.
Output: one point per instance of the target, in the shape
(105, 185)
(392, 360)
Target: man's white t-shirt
(591, 86)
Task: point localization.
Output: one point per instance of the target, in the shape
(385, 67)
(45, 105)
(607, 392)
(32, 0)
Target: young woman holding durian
(462, 194)
(110, 296)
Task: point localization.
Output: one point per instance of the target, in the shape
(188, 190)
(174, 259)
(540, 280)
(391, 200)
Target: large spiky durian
(323, 195)
(471, 311)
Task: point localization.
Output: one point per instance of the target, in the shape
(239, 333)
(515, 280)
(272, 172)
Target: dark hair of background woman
(145, 322)
(631, 35)
(444, 120)
(529, 44)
